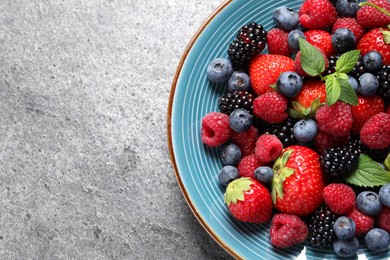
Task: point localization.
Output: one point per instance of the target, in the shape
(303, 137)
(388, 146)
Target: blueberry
(377, 239)
(384, 195)
(368, 203)
(373, 61)
(240, 120)
(346, 247)
(219, 70)
(227, 174)
(343, 40)
(293, 38)
(344, 227)
(264, 174)
(286, 18)
(354, 84)
(305, 130)
(347, 8)
(369, 84)
(230, 154)
(289, 83)
(239, 81)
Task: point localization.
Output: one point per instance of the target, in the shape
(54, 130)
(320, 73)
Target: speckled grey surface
(84, 165)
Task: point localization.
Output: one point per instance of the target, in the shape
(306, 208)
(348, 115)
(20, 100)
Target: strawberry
(370, 17)
(248, 200)
(277, 41)
(320, 39)
(317, 14)
(351, 24)
(264, 70)
(366, 108)
(373, 40)
(298, 183)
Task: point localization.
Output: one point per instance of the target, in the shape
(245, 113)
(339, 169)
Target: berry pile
(304, 129)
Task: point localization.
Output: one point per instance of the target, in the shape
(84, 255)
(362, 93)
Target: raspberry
(369, 17)
(375, 133)
(340, 198)
(271, 107)
(287, 230)
(268, 148)
(246, 141)
(215, 129)
(322, 40)
(248, 164)
(351, 24)
(335, 119)
(384, 219)
(277, 41)
(363, 222)
(317, 14)
(324, 141)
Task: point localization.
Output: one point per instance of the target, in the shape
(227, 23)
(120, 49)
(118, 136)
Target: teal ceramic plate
(196, 166)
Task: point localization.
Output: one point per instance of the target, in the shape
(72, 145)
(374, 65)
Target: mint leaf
(368, 173)
(341, 75)
(347, 93)
(347, 61)
(312, 60)
(333, 90)
(387, 162)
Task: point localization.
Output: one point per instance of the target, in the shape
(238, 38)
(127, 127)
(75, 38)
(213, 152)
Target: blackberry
(356, 72)
(384, 83)
(237, 99)
(321, 233)
(340, 161)
(250, 41)
(283, 131)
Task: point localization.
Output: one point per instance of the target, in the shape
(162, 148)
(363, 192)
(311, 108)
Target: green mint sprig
(337, 84)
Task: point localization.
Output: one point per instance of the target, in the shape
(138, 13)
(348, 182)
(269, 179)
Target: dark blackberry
(250, 41)
(321, 233)
(332, 64)
(340, 161)
(356, 72)
(283, 131)
(384, 83)
(237, 99)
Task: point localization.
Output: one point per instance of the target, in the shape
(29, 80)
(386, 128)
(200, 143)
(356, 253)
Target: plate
(196, 166)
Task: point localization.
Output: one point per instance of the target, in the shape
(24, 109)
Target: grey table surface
(84, 163)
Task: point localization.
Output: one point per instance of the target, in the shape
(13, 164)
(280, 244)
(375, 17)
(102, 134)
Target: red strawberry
(322, 40)
(215, 129)
(248, 200)
(363, 222)
(268, 148)
(311, 90)
(373, 40)
(265, 69)
(351, 24)
(246, 141)
(370, 17)
(366, 108)
(298, 64)
(297, 185)
(277, 41)
(248, 164)
(340, 198)
(317, 14)
(271, 107)
(287, 230)
(375, 133)
(335, 119)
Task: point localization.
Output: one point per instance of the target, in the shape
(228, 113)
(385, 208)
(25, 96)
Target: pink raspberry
(268, 148)
(339, 197)
(248, 164)
(287, 230)
(215, 129)
(324, 141)
(375, 133)
(271, 107)
(246, 141)
(384, 219)
(277, 41)
(363, 222)
(335, 119)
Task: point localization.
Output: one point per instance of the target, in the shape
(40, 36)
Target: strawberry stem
(376, 7)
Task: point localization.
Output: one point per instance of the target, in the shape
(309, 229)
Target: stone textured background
(84, 165)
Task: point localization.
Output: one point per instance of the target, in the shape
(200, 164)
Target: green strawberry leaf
(286, 156)
(386, 36)
(347, 94)
(293, 113)
(312, 60)
(281, 174)
(333, 90)
(236, 189)
(299, 111)
(347, 61)
(387, 162)
(368, 173)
